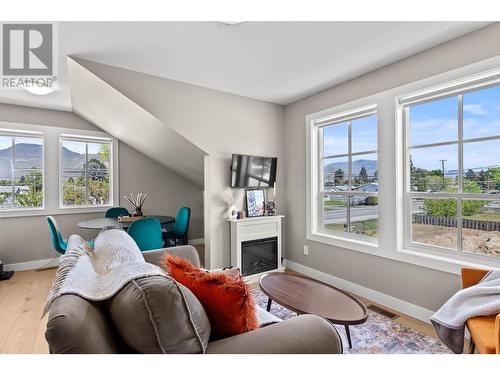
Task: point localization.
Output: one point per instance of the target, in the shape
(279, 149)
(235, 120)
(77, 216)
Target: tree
(470, 174)
(96, 170)
(105, 152)
(363, 175)
(448, 207)
(33, 197)
(417, 178)
(339, 176)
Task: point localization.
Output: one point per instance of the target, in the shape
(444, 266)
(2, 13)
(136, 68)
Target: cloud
(475, 109)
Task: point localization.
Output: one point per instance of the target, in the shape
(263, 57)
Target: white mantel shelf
(251, 229)
(255, 218)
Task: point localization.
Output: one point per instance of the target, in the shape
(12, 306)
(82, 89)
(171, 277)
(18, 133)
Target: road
(337, 214)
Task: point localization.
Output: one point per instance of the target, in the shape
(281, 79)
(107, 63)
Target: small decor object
(137, 201)
(255, 203)
(271, 208)
(128, 219)
(5, 275)
(232, 212)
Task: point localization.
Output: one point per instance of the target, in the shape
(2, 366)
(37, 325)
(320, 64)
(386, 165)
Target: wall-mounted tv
(253, 171)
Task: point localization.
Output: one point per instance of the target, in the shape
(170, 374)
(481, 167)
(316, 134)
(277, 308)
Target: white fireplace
(256, 245)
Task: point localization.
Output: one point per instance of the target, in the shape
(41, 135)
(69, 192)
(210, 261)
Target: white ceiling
(279, 62)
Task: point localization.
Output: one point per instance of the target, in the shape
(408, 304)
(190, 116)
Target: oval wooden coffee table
(304, 295)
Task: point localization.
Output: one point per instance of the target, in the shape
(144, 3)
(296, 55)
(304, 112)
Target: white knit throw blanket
(99, 273)
(482, 299)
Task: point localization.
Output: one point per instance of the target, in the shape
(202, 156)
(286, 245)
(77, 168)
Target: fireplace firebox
(259, 256)
(256, 246)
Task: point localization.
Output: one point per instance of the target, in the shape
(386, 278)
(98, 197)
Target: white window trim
(391, 172)
(315, 194)
(51, 169)
(5, 131)
(457, 88)
(82, 138)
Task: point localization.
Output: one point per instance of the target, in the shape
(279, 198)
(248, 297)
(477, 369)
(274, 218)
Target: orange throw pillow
(227, 300)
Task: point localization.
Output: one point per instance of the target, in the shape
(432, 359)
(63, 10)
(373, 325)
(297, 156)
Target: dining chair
(146, 233)
(181, 228)
(114, 212)
(57, 240)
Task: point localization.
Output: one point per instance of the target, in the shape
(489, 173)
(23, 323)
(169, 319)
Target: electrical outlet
(306, 250)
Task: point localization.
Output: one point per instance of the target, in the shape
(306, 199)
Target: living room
(234, 187)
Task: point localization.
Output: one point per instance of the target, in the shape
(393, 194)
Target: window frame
(8, 132)
(315, 181)
(51, 169)
(86, 140)
(480, 82)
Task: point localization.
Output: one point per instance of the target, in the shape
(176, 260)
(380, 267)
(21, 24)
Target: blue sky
(364, 136)
(437, 121)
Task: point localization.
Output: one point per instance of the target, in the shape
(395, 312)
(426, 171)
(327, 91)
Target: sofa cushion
(78, 326)
(226, 298)
(158, 315)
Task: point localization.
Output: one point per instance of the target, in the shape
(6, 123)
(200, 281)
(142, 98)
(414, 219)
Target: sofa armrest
(304, 334)
(471, 276)
(186, 252)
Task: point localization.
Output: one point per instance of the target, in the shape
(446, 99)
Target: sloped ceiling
(107, 108)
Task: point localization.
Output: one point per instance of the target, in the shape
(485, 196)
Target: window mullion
(349, 174)
(460, 175)
(86, 173)
(13, 171)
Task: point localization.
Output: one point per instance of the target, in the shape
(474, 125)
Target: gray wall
(25, 239)
(218, 123)
(421, 286)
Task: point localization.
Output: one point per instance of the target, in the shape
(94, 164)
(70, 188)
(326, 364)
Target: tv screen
(253, 171)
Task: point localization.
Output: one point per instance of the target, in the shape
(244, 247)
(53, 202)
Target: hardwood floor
(23, 297)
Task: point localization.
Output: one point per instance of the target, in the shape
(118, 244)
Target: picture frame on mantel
(256, 203)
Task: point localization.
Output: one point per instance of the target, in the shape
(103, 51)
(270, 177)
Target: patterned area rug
(378, 335)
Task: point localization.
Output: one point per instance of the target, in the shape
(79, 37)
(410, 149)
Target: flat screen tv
(253, 171)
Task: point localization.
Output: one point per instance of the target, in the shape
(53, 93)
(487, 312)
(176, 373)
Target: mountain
(370, 166)
(28, 156)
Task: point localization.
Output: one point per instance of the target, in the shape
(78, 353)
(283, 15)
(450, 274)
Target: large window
(453, 172)
(85, 172)
(348, 187)
(21, 171)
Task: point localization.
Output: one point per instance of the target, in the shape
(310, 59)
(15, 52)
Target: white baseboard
(196, 241)
(397, 304)
(32, 265)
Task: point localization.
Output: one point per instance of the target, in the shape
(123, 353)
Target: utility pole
(442, 169)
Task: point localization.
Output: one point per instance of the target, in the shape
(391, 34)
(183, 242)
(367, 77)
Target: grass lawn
(366, 227)
(334, 202)
(484, 217)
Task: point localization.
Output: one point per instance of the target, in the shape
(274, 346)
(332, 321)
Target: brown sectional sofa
(76, 325)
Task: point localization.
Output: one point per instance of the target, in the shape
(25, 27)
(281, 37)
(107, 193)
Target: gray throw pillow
(158, 315)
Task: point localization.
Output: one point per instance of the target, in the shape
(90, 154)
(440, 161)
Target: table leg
(348, 333)
(269, 301)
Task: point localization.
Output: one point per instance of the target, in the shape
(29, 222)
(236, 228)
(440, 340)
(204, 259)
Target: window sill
(419, 257)
(44, 212)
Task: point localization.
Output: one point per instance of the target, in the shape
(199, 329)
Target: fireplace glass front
(259, 256)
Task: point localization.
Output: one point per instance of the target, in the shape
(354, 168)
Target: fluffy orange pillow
(227, 300)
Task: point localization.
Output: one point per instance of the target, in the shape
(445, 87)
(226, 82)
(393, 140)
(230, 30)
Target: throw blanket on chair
(99, 273)
(482, 299)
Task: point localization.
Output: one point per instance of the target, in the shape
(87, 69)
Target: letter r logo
(27, 49)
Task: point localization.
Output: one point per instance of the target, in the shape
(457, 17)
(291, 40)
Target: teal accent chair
(57, 241)
(114, 212)
(146, 233)
(181, 228)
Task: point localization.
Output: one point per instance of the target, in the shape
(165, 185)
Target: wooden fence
(452, 222)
